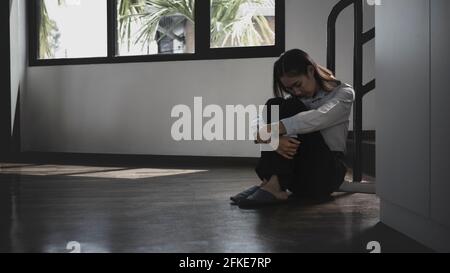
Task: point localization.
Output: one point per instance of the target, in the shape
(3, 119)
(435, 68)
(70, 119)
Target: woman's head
(297, 74)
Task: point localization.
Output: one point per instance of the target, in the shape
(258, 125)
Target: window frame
(203, 51)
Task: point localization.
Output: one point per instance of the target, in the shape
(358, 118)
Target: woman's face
(302, 85)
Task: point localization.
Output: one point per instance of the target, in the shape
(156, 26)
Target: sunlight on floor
(138, 173)
(46, 170)
(90, 171)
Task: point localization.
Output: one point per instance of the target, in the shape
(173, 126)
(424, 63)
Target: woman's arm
(266, 131)
(336, 111)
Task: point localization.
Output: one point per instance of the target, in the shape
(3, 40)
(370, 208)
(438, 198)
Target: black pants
(314, 172)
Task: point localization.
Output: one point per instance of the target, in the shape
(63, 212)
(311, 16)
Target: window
(114, 31)
(242, 23)
(72, 29)
(155, 27)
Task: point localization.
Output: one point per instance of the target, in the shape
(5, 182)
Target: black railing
(361, 38)
(5, 80)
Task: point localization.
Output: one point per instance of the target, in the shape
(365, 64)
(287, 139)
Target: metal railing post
(361, 38)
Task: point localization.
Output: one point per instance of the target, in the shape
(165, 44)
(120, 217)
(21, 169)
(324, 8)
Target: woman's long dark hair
(294, 63)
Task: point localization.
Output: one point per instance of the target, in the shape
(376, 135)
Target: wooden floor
(165, 210)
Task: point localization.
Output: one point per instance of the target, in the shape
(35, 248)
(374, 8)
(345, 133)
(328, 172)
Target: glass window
(65, 32)
(149, 27)
(242, 23)
(72, 29)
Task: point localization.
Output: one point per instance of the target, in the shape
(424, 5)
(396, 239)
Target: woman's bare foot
(273, 186)
(264, 183)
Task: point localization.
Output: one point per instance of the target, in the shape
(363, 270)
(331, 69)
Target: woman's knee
(279, 102)
(287, 107)
(275, 101)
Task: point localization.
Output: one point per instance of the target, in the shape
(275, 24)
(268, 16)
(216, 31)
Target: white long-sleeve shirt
(329, 114)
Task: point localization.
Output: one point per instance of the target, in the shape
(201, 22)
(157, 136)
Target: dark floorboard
(43, 207)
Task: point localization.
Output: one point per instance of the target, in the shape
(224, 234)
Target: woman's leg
(274, 170)
(314, 172)
(318, 172)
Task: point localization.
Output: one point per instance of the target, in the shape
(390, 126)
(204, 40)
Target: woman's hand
(266, 130)
(288, 147)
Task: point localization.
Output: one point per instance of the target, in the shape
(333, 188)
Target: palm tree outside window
(70, 29)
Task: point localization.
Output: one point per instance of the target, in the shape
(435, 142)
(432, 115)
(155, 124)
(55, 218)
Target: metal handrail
(361, 38)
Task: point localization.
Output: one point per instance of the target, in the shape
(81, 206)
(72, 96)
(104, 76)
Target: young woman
(314, 108)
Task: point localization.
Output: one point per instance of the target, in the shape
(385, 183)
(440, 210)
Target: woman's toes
(282, 195)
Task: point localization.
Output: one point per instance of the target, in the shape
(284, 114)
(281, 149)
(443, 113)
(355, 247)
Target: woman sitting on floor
(314, 110)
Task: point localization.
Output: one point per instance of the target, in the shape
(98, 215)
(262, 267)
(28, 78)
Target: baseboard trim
(350, 187)
(368, 135)
(131, 160)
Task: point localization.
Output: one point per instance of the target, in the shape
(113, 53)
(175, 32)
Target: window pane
(72, 29)
(147, 27)
(241, 23)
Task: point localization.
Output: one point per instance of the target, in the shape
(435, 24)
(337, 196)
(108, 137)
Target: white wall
(412, 126)
(18, 52)
(125, 108)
